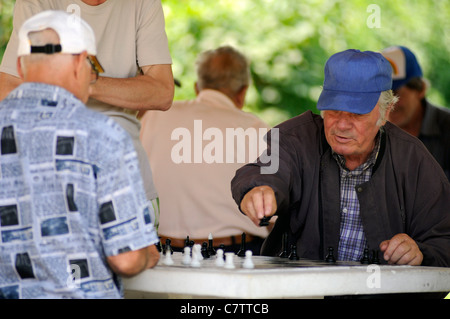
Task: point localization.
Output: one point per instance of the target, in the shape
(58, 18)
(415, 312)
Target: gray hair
(386, 102)
(223, 69)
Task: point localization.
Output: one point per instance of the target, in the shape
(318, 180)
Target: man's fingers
(259, 202)
(270, 204)
(401, 249)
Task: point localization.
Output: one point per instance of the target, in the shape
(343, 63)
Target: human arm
(261, 188)
(131, 263)
(153, 90)
(401, 250)
(8, 83)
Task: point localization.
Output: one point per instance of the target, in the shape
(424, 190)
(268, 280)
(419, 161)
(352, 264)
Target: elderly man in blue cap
(413, 112)
(348, 179)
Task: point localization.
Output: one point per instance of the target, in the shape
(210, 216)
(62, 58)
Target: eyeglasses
(96, 67)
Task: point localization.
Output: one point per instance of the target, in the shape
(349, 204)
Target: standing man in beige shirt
(194, 150)
(133, 47)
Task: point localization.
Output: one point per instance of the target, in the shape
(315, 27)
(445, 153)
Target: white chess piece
(219, 258)
(196, 255)
(187, 256)
(248, 262)
(168, 259)
(229, 264)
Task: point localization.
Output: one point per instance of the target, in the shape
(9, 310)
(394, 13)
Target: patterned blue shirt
(71, 194)
(352, 240)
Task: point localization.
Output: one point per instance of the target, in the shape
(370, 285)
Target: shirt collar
(215, 98)
(50, 95)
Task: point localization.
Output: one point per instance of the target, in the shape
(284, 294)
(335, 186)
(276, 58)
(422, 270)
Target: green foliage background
(289, 41)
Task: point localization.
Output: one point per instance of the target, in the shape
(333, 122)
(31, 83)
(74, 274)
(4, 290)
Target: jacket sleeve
(273, 168)
(430, 223)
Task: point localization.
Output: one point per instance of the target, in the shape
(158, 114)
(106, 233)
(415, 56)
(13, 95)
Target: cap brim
(396, 84)
(352, 102)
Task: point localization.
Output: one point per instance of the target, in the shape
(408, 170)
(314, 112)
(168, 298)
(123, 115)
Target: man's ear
(424, 91)
(19, 68)
(240, 97)
(197, 91)
(80, 60)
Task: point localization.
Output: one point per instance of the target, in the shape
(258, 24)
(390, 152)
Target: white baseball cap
(74, 33)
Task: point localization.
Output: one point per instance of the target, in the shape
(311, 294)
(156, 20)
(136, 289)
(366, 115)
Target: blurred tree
(289, 41)
(6, 12)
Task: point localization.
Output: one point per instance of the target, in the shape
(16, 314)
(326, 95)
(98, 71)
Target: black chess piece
(375, 259)
(365, 258)
(293, 255)
(186, 242)
(330, 257)
(264, 221)
(211, 250)
(158, 246)
(204, 250)
(284, 247)
(168, 246)
(241, 252)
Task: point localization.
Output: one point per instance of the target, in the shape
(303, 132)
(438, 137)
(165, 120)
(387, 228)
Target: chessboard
(228, 275)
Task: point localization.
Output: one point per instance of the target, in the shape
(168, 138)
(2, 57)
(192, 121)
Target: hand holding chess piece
(258, 203)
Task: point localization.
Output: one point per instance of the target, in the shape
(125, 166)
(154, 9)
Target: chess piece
(293, 254)
(284, 244)
(211, 250)
(168, 247)
(229, 263)
(196, 255)
(158, 246)
(365, 258)
(248, 262)
(186, 243)
(168, 261)
(330, 257)
(220, 261)
(241, 252)
(264, 221)
(204, 250)
(186, 256)
(375, 259)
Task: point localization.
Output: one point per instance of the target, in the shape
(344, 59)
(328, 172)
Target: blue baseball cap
(354, 81)
(404, 65)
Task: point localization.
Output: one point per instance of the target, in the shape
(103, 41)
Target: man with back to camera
(133, 47)
(350, 180)
(74, 217)
(195, 195)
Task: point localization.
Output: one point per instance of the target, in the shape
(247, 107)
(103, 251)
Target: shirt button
(359, 189)
(345, 210)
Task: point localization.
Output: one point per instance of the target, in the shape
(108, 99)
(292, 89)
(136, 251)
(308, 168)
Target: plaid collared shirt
(352, 238)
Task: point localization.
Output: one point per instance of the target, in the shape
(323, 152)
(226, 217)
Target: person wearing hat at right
(348, 179)
(413, 112)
